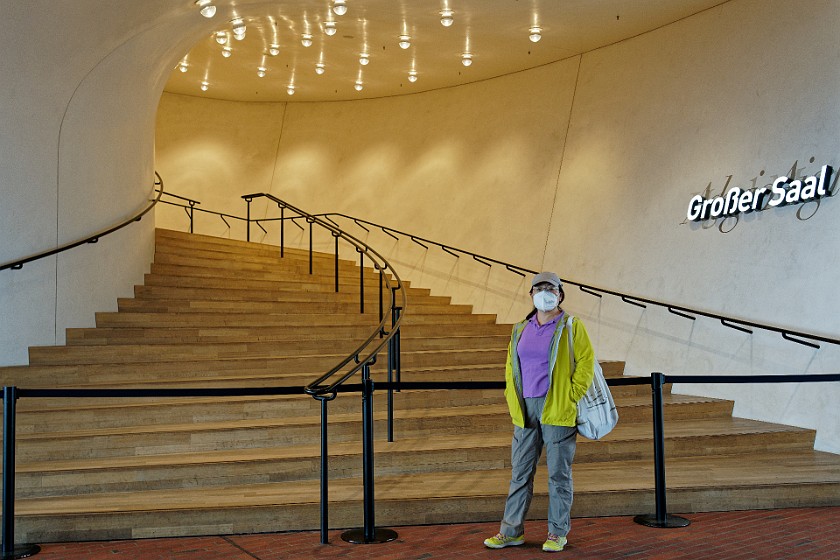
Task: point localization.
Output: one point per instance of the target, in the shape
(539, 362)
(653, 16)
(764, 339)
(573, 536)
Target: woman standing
(542, 393)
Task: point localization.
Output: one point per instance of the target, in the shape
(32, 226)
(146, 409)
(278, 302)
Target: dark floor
(789, 533)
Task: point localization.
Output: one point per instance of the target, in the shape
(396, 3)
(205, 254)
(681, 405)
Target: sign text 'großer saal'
(784, 191)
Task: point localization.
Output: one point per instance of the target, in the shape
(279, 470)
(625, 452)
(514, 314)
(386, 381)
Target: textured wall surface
(78, 108)
(586, 167)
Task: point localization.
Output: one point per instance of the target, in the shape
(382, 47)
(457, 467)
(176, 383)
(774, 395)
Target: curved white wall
(80, 90)
(586, 167)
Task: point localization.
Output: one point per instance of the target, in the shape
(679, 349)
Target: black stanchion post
(8, 550)
(325, 473)
(390, 390)
(369, 534)
(192, 205)
(661, 519)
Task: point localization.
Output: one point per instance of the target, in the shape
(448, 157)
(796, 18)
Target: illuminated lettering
(695, 205)
(825, 177)
(745, 201)
(778, 191)
(810, 189)
(783, 191)
(732, 197)
(757, 198)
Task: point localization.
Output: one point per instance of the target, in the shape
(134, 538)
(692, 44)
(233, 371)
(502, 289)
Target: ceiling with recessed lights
(330, 50)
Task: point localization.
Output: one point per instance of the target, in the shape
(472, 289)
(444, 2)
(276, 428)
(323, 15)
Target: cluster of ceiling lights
(339, 8)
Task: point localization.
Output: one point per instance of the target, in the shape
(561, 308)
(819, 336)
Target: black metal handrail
(18, 264)
(316, 387)
(638, 301)
(325, 389)
(190, 208)
(367, 347)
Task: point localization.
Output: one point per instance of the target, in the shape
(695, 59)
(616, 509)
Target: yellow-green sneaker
(554, 543)
(501, 541)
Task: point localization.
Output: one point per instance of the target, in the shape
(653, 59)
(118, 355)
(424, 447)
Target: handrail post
(369, 533)
(282, 228)
(398, 345)
(192, 206)
(381, 279)
(336, 261)
(361, 280)
(248, 219)
(311, 221)
(661, 519)
(8, 550)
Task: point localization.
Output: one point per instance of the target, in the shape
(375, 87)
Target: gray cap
(549, 277)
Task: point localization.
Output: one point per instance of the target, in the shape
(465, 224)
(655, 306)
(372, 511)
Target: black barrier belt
(427, 385)
(799, 378)
(183, 392)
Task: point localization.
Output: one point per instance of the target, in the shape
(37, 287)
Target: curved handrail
(371, 350)
(686, 312)
(18, 264)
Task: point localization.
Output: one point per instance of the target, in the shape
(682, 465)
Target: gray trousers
(560, 443)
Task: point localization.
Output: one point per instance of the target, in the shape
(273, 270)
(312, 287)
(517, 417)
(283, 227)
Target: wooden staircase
(222, 313)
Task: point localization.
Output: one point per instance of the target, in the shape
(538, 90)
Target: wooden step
(62, 414)
(629, 441)
(287, 265)
(348, 274)
(415, 296)
(124, 353)
(165, 335)
(231, 373)
(190, 276)
(285, 359)
(601, 488)
(173, 241)
(316, 304)
(272, 286)
(109, 319)
(305, 429)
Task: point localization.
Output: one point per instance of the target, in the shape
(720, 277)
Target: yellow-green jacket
(564, 389)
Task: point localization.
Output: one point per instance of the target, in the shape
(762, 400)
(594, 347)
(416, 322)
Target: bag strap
(571, 343)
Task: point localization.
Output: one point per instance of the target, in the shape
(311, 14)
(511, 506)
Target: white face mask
(545, 301)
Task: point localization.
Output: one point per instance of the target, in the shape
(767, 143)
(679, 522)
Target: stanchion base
(24, 551)
(671, 521)
(357, 536)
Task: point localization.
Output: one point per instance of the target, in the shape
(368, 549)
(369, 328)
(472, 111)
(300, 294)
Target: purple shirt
(533, 350)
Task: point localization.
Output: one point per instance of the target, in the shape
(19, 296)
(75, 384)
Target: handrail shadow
(94, 238)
